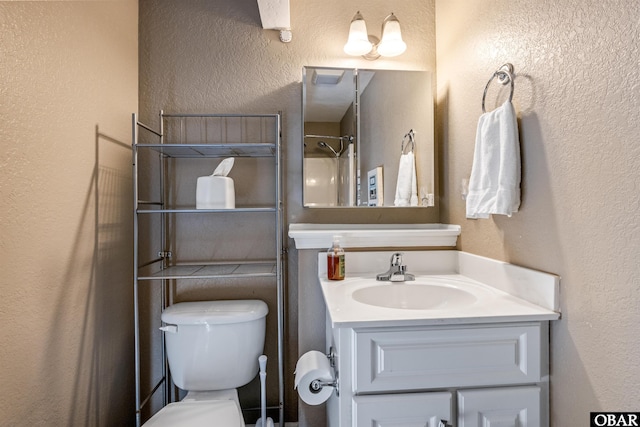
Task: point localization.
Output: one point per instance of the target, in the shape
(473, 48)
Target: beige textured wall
(578, 100)
(69, 85)
(214, 56)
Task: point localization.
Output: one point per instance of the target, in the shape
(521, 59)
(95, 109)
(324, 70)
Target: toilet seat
(198, 414)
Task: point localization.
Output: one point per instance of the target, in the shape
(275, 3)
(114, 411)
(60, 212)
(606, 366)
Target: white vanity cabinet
(467, 375)
(465, 344)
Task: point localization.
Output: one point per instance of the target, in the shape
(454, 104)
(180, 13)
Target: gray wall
(408, 99)
(69, 74)
(214, 56)
(578, 100)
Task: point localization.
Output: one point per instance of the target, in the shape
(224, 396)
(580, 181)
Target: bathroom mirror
(359, 127)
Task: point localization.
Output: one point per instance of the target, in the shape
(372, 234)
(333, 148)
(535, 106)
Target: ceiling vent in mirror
(327, 77)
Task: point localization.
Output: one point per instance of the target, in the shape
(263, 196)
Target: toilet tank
(214, 345)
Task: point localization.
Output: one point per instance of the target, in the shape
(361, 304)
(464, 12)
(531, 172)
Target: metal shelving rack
(166, 271)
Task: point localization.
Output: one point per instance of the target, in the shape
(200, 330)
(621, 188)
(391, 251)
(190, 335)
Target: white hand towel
(407, 186)
(494, 186)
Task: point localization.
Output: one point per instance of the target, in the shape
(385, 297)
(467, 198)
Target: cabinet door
(500, 407)
(402, 410)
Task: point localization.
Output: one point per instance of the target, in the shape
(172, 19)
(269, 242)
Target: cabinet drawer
(417, 359)
(406, 410)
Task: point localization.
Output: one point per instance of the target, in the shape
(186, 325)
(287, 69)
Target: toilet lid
(215, 312)
(197, 414)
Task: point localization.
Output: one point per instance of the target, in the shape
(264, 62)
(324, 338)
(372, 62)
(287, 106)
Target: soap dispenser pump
(335, 261)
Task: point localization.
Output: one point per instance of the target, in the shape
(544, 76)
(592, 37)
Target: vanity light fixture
(361, 43)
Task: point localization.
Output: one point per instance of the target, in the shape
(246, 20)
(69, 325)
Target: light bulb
(391, 43)
(358, 42)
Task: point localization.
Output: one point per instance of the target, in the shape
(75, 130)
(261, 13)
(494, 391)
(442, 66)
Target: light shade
(391, 43)
(358, 42)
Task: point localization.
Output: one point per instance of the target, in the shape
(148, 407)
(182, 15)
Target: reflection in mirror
(368, 138)
(329, 137)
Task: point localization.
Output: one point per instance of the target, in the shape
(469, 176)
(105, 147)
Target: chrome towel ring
(504, 75)
(412, 141)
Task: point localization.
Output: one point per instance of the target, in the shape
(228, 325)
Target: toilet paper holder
(317, 385)
(332, 356)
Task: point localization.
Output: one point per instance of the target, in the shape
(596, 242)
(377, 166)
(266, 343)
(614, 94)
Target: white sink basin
(441, 298)
(414, 296)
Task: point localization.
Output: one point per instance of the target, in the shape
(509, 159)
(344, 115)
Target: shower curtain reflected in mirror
(331, 180)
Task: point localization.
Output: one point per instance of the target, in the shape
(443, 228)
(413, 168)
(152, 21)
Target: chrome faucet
(397, 271)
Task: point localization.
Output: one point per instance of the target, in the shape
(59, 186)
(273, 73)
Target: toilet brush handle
(263, 397)
(262, 361)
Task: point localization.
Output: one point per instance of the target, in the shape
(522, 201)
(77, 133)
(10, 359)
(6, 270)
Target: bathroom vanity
(465, 343)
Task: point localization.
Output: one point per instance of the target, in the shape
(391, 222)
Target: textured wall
(214, 56)
(226, 62)
(69, 84)
(578, 100)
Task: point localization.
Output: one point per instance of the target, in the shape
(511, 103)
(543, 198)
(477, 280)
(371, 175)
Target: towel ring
(411, 134)
(504, 75)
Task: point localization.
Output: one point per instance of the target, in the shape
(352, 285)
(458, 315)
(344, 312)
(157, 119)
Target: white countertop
(492, 305)
(503, 292)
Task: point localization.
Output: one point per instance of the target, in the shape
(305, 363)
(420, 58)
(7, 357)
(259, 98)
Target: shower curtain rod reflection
(348, 137)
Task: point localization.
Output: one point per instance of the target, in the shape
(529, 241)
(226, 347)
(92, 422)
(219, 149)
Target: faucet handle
(396, 259)
(396, 272)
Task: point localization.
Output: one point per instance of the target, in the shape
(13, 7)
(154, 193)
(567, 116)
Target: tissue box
(215, 192)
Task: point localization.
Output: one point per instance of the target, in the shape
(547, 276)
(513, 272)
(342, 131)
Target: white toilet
(212, 348)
